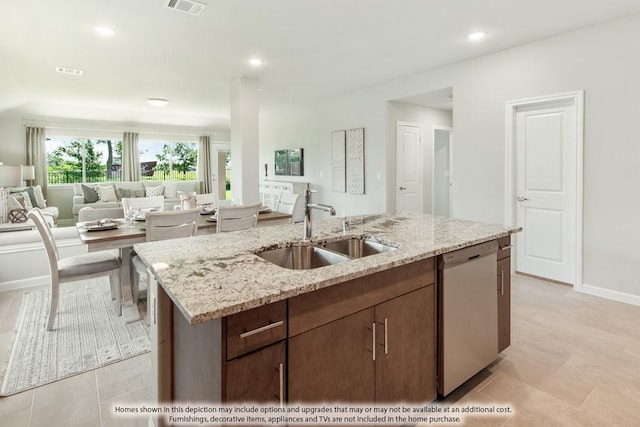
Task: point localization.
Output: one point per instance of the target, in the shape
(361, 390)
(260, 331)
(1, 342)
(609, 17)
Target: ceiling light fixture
(478, 35)
(157, 102)
(105, 31)
(256, 62)
(71, 71)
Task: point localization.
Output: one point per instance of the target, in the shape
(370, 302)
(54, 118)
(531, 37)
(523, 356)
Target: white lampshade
(28, 172)
(10, 176)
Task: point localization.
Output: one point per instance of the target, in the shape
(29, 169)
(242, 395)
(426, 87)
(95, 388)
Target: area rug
(87, 334)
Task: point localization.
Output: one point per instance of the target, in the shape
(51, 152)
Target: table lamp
(28, 174)
(10, 176)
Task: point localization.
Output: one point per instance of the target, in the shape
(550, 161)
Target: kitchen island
(226, 321)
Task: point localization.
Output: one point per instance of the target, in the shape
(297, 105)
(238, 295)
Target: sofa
(98, 195)
(28, 198)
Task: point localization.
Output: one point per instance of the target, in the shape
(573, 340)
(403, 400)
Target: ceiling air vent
(72, 71)
(187, 6)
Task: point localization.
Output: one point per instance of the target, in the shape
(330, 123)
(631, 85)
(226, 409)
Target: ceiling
(309, 48)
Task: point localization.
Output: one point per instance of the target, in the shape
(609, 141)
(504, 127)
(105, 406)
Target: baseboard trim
(25, 283)
(610, 294)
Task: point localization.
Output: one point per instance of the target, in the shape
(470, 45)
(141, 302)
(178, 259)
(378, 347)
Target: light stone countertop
(212, 276)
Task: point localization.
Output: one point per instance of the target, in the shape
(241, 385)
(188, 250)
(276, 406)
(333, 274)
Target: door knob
(403, 188)
(521, 199)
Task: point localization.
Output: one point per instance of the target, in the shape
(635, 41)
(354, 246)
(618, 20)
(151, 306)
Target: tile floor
(574, 361)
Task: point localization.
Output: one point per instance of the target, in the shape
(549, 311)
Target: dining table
(123, 236)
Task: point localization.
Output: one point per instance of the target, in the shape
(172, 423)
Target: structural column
(245, 172)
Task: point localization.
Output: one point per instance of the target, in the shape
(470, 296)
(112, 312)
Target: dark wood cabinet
(405, 351)
(334, 362)
(340, 349)
(257, 377)
(254, 369)
(504, 293)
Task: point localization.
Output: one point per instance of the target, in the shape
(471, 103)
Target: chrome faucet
(307, 211)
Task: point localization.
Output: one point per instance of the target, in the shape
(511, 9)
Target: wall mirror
(289, 162)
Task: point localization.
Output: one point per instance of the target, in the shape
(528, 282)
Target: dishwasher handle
(469, 254)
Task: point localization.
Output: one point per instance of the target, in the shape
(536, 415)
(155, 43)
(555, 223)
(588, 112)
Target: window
(72, 160)
(164, 161)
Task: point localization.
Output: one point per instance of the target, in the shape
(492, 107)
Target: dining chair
(90, 214)
(74, 268)
(163, 226)
(287, 203)
(238, 217)
(205, 199)
(154, 202)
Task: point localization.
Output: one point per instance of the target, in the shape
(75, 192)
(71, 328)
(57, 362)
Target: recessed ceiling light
(478, 35)
(256, 62)
(157, 102)
(105, 31)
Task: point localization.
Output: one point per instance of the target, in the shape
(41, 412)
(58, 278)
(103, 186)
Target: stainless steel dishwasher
(468, 314)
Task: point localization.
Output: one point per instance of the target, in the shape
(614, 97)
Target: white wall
(601, 60)
(12, 142)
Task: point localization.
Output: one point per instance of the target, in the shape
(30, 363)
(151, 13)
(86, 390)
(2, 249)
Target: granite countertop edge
(213, 276)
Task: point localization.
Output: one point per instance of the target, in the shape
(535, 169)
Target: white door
(546, 189)
(408, 167)
(442, 168)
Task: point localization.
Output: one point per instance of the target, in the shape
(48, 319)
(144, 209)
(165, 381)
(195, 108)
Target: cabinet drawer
(254, 329)
(504, 247)
(317, 308)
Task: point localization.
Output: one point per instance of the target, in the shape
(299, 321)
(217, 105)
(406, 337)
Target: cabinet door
(504, 303)
(406, 348)
(334, 362)
(257, 377)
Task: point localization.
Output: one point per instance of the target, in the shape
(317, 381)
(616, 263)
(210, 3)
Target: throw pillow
(14, 203)
(41, 200)
(32, 198)
(27, 201)
(90, 194)
(128, 193)
(107, 194)
(155, 191)
(170, 189)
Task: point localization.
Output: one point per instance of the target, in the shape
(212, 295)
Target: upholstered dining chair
(205, 199)
(238, 217)
(287, 203)
(154, 202)
(90, 214)
(163, 226)
(74, 268)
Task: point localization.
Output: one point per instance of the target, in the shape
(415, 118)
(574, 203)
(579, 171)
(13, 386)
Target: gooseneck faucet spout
(307, 212)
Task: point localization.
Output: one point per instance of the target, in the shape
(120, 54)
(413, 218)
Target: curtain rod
(121, 130)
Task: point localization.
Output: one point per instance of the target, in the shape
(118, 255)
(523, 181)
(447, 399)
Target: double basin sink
(305, 257)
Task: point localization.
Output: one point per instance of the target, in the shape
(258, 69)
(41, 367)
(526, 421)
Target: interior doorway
(544, 185)
(442, 171)
(427, 110)
(409, 167)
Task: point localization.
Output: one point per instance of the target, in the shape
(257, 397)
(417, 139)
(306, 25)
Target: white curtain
(37, 156)
(204, 164)
(130, 157)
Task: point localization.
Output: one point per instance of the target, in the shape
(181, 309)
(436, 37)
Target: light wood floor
(574, 361)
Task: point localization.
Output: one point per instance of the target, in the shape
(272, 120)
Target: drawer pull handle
(262, 329)
(386, 337)
(504, 248)
(373, 345)
(281, 372)
(501, 282)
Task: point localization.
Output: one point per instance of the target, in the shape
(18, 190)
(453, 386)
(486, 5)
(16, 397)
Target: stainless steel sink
(357, 248)
(302, 257)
